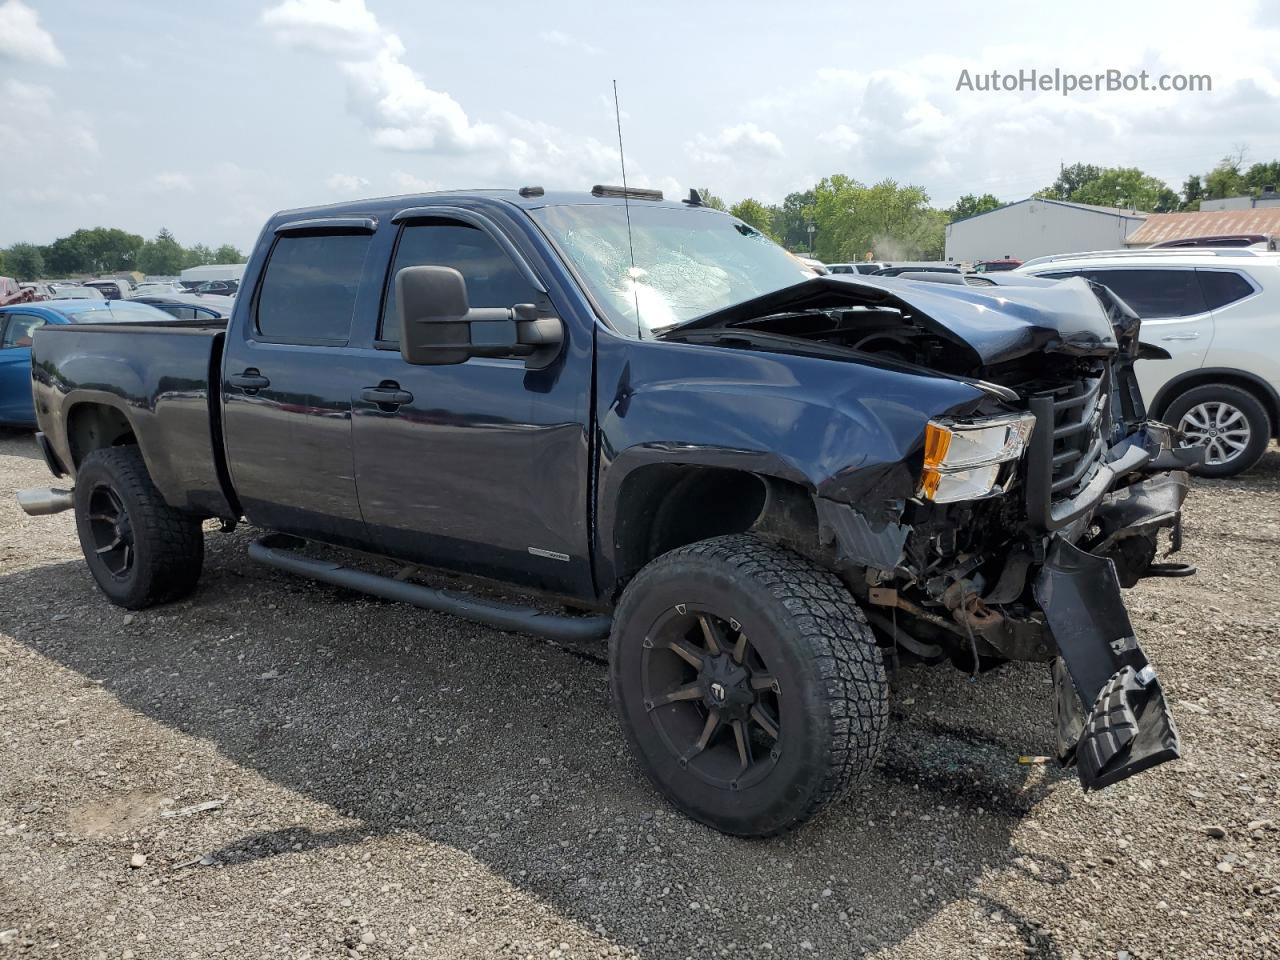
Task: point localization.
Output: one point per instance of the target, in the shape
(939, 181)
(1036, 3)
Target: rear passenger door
(1245, 330)
(288, 380)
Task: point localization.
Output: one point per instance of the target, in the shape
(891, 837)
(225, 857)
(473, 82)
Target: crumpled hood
(1016, 316)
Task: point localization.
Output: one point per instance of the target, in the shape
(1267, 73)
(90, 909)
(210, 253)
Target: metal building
(1038, 228)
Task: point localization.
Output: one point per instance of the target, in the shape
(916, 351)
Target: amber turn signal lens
(937, 441)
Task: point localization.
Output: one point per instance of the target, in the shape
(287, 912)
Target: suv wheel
(1230, 422)
(139, 549)
(748, 683)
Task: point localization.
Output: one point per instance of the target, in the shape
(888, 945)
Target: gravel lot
(396, 783)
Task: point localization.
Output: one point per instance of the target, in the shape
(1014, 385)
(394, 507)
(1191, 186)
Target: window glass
(19, 330)
(1059, 274)
(1221, 287)
(1154, 293)
(493, 279)
(309, 290)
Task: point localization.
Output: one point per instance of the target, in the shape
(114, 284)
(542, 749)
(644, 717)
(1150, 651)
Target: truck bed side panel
(157, 376)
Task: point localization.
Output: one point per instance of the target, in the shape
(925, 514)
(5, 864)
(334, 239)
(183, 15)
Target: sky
(207, 117)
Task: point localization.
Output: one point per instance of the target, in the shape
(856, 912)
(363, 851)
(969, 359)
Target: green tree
(197, 256)
(1225, 180)
(1127, 187)
(791, 223)
(970, 206)
(884, 220)
(1070, 179)
(1192, 192)
(228, 254)
(24, 261)
(709, 199)
(162, 256)
(757, 214)
(1261, 175)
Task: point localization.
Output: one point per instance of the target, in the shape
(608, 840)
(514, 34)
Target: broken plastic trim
(1122, 725)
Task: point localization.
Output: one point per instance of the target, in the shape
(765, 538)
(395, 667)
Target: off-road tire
(168, 545)
(1260, 426)
(833, 694)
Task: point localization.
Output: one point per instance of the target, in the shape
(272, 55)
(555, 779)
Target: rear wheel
(139, 549)
(1231, 423)
(748, 683)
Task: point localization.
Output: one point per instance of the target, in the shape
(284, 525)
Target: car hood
(996, 322)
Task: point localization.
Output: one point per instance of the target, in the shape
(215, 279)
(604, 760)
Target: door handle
(250, 381)
(1182, 336)
(386, 395)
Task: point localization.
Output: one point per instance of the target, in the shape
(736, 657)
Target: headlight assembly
(962, 459)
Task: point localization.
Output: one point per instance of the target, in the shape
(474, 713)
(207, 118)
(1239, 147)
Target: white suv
(1217, 311)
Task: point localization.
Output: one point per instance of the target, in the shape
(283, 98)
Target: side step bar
(503, 616)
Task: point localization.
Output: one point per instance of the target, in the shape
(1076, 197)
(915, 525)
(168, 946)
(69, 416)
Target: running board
(491, 613)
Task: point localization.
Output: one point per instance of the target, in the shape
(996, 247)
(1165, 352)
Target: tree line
(851, 220)
(838, 219)
(102, 250)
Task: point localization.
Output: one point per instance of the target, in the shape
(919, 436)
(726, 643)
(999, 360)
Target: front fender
(848, 432)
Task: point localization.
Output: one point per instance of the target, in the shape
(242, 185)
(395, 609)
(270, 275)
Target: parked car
(759, 483)
(1260, 241)
(17, 324)
(190, 306)
(158, 288)
(111, 289)
(39, 291)
(73, 291)
(868, 266)
(996, 266)
(900, 268)
(13, 292)
(1217, 312)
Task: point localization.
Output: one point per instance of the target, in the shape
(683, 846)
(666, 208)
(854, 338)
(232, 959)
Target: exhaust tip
(42, 501)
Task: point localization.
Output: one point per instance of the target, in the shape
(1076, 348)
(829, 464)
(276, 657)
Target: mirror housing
(438, 325)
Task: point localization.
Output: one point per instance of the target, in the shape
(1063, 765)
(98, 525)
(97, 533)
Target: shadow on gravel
(19, 442)
(505, 747)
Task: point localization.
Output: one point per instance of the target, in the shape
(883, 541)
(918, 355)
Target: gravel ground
(388, 782)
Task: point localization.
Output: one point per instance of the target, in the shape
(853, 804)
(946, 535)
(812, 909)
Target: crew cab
(762, 486)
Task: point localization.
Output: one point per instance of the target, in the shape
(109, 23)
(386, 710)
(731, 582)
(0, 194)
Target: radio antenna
(626, 206)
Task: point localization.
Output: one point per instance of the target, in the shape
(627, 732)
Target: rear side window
(19, 329)
(493, 279)
(1154, 293)
(1221, 287)
(308, 293)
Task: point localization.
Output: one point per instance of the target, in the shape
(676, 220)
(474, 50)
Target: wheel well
(93, 426)
(1207, 378)
(666, 506)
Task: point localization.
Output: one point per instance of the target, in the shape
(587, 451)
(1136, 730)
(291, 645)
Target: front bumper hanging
(1113, 720)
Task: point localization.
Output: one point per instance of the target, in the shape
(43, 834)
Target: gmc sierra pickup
(760, 484)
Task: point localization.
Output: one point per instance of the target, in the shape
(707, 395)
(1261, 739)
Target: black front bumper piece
(1113, 720)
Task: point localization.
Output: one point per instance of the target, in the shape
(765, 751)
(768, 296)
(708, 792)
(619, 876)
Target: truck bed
(156, 381)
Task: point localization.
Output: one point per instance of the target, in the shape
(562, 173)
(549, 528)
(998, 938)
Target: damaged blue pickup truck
(760, 484)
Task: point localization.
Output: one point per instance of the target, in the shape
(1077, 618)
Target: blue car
(19, 321)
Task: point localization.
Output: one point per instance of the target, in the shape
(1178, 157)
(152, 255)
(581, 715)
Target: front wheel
(139, 549)
(748, 683)
(1231, 423)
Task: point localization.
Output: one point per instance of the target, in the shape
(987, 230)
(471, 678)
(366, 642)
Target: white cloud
(405, 182)
(22, 37)
(346, 183)
(171, 181)
(384, 92)
(558, 38)
(744, 142)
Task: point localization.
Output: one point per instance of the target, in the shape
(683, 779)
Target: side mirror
(439, 326)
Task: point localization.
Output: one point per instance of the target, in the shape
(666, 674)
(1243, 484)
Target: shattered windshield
(687, 261)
